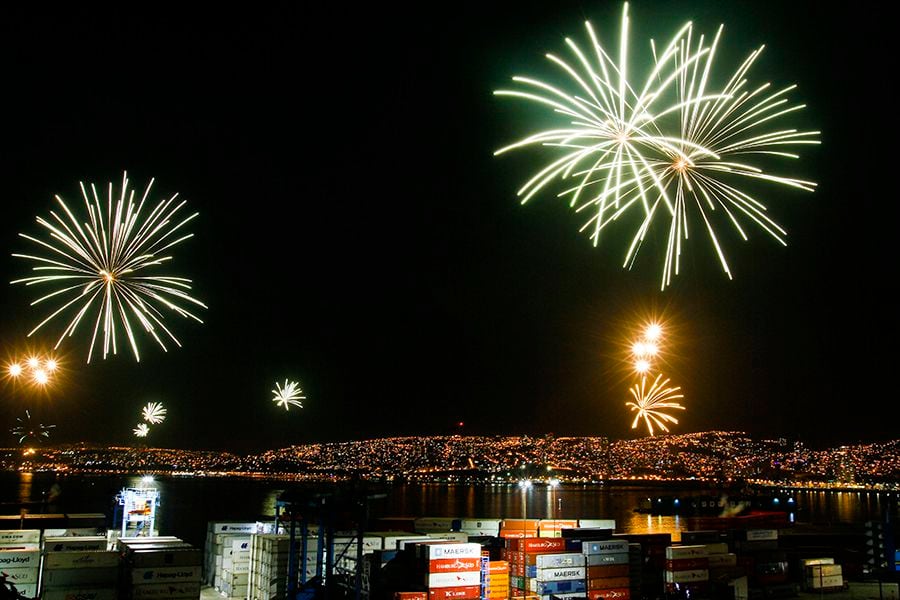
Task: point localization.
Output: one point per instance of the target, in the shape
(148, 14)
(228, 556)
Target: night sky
(357, 234)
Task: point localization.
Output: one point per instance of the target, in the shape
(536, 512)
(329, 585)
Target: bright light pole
(524, 485)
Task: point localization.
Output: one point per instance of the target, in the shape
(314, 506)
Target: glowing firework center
(136, 510)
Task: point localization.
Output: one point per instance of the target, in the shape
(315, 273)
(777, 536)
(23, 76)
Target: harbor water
(188, 503)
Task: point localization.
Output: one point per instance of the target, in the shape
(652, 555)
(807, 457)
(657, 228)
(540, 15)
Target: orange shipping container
(454, 565)
(498, 566)
(520, 524)
(608, 583)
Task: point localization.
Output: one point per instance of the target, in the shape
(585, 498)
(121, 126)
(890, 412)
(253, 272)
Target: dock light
(525, 484)
(554, 483)
(653, 332)
(147, 479)
(50, 365)
(15, 370)
(642, 366)
(33, 362)
(677, 502)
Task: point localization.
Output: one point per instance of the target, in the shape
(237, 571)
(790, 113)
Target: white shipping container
(166, 590)
(818, 583)
(561, 559)
(20, 559)
(597, 523)
(75, 544)
(560, 574)
(482, 532)
(101, 577)
(72, 560)
(165, 574)
(445, 580)
(604, 547)
(434, 524)
(22, 575)
(687, 576)
(241, 544)
(479, 524)
(20, 536)
(761, 535)
(19, 547)
(240, 528)
(83, 531)
(80, 593)
(467, 550)
(673, 552)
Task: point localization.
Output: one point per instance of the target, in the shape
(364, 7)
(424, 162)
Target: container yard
(321, 546)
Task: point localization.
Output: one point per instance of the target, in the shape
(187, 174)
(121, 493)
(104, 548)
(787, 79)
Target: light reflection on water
(187, 503)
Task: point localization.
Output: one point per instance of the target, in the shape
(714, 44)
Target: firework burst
(27, 429)
(672, 147)
(649, 403)
(612, 129)
(142, 430)
(154, 413)
(106, 265)
(288, 395)
(735, 125)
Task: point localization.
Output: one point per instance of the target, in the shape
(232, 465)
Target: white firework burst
(141, 430)
(612, 131)
(106, 262)
(154, 413)
(734, 125)
(288, 395)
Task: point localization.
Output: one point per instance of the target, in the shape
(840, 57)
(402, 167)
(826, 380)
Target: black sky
(356, 233)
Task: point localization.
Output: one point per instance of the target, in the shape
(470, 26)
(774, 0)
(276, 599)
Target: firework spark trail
(734, 125)
(141, 430)
(651, 402)
(106, 263)
(154, 413)
(288, 395)
(28, 430)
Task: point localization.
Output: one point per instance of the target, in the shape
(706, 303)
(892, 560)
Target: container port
(323, 544)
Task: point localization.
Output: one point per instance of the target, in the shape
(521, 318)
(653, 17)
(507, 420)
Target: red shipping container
(613, 594)
(410, 595)
(468, 592)
(601, 571)
(454, 565)
(518, 533)
(539, 545)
